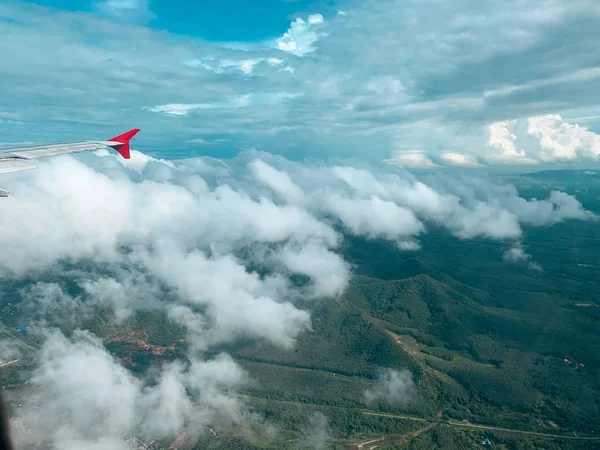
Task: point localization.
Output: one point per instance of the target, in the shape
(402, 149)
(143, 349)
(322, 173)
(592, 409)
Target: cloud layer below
(213, 245)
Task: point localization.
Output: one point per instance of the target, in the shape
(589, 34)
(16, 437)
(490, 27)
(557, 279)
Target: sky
(419, 84)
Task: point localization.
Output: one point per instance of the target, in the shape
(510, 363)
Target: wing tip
(123, 140)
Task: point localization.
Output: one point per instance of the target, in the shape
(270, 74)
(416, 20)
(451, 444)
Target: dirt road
(397, 439)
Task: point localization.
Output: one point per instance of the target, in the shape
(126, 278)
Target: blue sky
(420, 84)
(203, 19)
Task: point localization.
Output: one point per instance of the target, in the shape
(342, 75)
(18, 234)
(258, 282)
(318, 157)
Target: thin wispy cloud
(136, 11)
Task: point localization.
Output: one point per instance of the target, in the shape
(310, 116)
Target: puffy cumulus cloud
(503, 140)
(374, 217)
(259, 220)
(197, 392)
(542, 139)
(300, 38)
(106, 391)
(557, 207)
(235, 302)
(111, 403)
(561, 141)
(280, 182)
(394, 387)
(467, 206)
(93, 214)
(517, 254)
(329, 272)
(138, 160)
(485, 220)
(444, 206)
(198, 211)
(406, 191)
(90, 213)
(497, 210)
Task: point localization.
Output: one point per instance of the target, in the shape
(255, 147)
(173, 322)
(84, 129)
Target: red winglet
(123, 140)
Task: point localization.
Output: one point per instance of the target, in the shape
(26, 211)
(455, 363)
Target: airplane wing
(15, 159)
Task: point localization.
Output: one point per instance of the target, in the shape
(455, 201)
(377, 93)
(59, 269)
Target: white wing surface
(16, 158)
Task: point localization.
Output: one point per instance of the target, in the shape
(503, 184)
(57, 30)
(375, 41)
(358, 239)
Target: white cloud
(361, 180)
(316, 434)
(138, 161)
(105, 400)
(247, 65)
(542, 139)
(580, 75)
(221, 65)
(558, 207)
(300, 38)
(131, 292)
(198, 141)
(393, 387)
(315, 19)
(230, 216)
(415, 159)
(111, 403)
(239, 101)
(92, 214)
(236, 302)
(408, 245)
(329, 272)
(502, 139)
(470, 207)
(488, 221)
(458, 159)
(561, 141)
(517, 254)
(374, 217)
(280, 182)
(176, 109)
